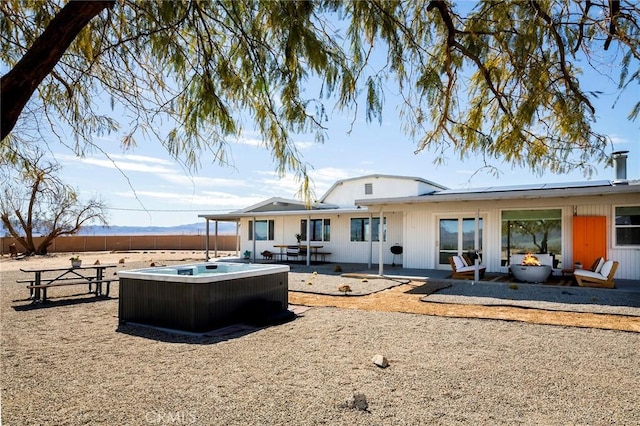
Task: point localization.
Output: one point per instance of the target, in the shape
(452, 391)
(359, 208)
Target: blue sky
(145, 187)
(173, 196)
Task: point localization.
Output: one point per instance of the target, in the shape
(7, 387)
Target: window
(320, 229)
(627, 228)
(264, 230)
(360, 230)
(368, 188)
(531, 231)
(457, 235)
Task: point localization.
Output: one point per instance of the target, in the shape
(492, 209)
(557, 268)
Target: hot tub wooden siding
(199, 306)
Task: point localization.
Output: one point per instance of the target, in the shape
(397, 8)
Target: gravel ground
(71, 364)
(574, 299)
(330, 284)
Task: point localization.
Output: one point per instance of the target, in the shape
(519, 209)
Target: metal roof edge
(505, 195)
(239, 215)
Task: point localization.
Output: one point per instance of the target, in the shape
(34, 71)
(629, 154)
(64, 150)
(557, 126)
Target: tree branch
(18, 85)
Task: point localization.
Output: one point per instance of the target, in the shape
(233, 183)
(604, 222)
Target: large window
(360, 230)
(320, 229)
(627, 230)
(264, 230)
(531, 231)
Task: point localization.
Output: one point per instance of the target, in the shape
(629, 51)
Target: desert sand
(71, 362)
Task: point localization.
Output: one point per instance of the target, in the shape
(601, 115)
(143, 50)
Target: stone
(357, 402)
(380, 361)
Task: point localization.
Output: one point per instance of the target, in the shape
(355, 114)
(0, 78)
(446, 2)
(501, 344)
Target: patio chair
(460, 269)
(604, 278)
(597, 264)
(293, 251)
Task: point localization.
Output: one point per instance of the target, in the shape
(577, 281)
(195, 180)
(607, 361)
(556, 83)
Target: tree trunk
(18, 85)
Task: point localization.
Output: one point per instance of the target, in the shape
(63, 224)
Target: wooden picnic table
(44, 278)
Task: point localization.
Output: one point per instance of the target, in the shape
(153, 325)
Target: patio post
(309, 240)
(206, 241)
(476, 244)
(380, 244)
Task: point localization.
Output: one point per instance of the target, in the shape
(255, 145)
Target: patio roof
(237, 215)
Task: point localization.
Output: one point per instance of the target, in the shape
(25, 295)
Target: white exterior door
(456, 235)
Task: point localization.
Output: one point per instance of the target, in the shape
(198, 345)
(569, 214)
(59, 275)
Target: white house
(574, 222)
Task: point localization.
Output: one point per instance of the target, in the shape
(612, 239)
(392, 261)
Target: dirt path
(397, 300)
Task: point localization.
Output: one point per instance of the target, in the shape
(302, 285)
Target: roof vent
(620, 160)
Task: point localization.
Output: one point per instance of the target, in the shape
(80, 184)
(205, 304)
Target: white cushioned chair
(461, 270)
(603, 278)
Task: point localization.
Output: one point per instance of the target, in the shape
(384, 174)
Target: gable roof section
(543, 190)
(374, 176)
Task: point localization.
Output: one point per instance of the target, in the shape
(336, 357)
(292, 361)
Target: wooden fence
(82, 243)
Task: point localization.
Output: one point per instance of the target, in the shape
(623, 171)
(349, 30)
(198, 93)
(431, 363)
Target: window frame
(367, 229)
(270, 223)
(324, 229)
(558, 254)
(616, 226)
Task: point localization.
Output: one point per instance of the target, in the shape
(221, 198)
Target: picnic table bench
(90, 276)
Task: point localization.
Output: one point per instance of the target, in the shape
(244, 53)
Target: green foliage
(500, 80)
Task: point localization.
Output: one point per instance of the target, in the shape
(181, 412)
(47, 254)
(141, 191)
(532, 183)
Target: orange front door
(589, 239)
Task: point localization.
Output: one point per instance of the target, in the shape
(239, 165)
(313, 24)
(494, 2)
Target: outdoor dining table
(89, 275)
(314, 249)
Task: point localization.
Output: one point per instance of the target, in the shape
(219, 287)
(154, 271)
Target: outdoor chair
(461, 270)
(597, 264)
(293, 251)
(603, 278)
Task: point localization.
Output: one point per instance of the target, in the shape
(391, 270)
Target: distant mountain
(189, 229)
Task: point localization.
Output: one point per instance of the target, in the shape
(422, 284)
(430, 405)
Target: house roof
(283, 204)
(234, 216)
(275, 206)
(514, 192)
(374, 176)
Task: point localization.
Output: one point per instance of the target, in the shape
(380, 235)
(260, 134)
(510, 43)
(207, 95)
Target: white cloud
(250, 141)
(135, 163)
(143, 158)
(616, 139)
(302, 146)
(204, 181)
(127, 165)
(176, 200)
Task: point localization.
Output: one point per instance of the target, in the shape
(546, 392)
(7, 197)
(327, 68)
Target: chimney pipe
(620, 160)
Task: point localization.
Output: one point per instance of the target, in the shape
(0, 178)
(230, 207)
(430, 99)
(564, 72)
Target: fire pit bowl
(531, 273)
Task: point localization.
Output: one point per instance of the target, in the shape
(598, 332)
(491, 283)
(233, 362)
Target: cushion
(457, 260)
(599, 265)
(471, 268)
(464, 260)
(589, 274)
(606, 268)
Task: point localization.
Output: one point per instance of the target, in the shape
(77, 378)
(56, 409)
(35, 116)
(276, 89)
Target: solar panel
(525, 187)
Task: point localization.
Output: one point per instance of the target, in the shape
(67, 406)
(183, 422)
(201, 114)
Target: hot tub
(204, 296)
